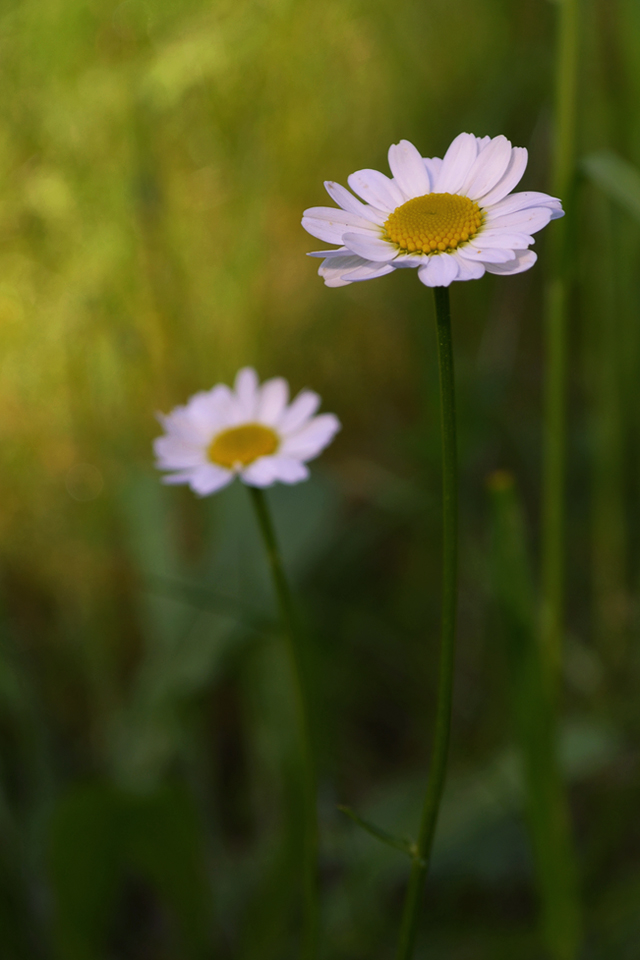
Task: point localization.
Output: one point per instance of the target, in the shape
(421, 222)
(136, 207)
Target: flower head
(251, 432)
(452, 218)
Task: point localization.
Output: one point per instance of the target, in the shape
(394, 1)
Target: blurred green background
(155, 159)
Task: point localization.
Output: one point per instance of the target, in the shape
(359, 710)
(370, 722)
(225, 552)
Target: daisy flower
(251, 432)
(452, 218)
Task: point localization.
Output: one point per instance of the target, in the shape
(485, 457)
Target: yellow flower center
(434, 223)
(242, 445)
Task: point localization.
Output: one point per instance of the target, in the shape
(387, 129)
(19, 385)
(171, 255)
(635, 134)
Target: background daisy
(250, 431)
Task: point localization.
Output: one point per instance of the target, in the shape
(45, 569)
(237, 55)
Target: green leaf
(617, 178)
(404, 844)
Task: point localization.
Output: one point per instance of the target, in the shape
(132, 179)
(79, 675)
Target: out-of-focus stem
(309, 859)
(556, 322)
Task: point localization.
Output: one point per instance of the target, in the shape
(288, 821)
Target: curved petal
(376, 189)
(488, 168)
(312, 438)
(504, 239)
(246, 387)
(208, 479)
(329, 223)
(434, 166)
(369, 271)
(510, 179)
(468, 269)
(173, 453)
(333, 269)
(206, 412)
(523, 201)
(526, 221)
(282, 468)
(328, 254)
(274, 395)
(409, 170)
(303, 407)
(457, 163)
(261, 473)
(484, 254)
(438, 271)
(371, 248)
(351, 204)
(523, 261)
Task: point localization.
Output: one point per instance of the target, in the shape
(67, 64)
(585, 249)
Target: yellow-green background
(155, 159)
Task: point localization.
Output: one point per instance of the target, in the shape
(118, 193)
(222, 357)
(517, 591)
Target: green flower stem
(307, 761)
(563, 168)
(437, 771)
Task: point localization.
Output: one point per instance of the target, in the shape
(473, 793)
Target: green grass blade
(532, 703)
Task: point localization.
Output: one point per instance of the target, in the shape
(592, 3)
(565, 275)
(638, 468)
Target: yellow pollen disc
(434, 223)
(242, 445)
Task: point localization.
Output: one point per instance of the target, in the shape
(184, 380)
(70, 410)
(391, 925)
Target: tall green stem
(563, 165)
(307, 762)
(437, 772)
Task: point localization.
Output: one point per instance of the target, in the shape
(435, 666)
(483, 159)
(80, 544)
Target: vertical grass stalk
(548, 806)
(433, 796)
(307, 766)
(556, 323)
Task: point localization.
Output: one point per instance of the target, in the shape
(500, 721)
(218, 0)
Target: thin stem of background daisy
(253, 433)
(433, 796)
(556, 323)
(307, 758)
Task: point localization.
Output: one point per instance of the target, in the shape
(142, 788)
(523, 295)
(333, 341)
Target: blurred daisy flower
(452, 218)
(251, 432)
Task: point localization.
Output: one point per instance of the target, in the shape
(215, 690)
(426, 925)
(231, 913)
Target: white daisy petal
(371, 248)
(484, 254)
(434, 166)
(527, 221)
(351, 204)
(468, 269)
(282, 468)
(246, 387)
(209, 478)
(299, 410)
(510, 179)
(408, 169)
(457, 163)
(369, 271)
(328, 254)
(488, 168)
(508, 240)
(333, 269)
(174, 453)
(312, 438)
(261, 473)
(438, 271)
(524, 201)
(524, 260)
(376, 189)
(273, 399)
(329, 223)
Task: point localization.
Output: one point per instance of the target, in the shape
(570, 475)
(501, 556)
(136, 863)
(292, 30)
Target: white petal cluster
(484, 169)
(193, 428)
